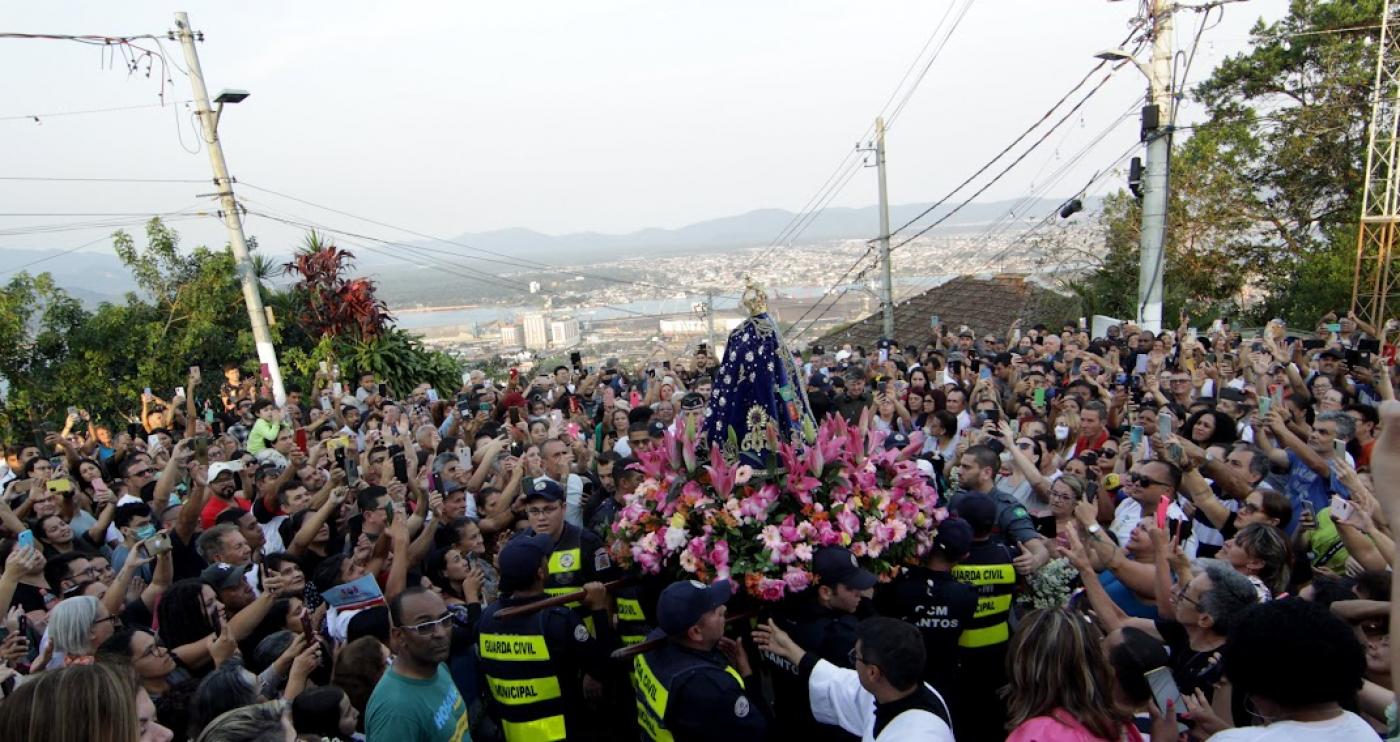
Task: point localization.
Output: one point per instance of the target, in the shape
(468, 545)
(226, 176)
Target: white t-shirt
(1347, 727)
(1127, 515)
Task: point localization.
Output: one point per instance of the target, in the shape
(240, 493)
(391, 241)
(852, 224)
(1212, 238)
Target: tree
(1266, 192)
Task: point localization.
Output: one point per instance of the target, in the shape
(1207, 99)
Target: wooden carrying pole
(516, 611)
(650, 644)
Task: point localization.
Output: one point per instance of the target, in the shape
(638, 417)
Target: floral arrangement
(761, 525)
(1049, 586)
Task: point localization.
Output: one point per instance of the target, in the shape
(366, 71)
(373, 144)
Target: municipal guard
(539, 667)
(822, 621)
(578, 556)
(931, 599)
(687, 689)
(982, 646)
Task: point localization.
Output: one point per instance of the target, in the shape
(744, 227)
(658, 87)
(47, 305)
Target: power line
(55, 256)
(928, 65)
(43, 179)
(38, 117)
(845, 170)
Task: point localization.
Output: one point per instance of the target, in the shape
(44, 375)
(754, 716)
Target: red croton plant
(334, 305)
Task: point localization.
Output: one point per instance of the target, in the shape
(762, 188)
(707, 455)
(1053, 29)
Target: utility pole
(710, 318)
(886, 278)
(1158, 117)
(209, 120)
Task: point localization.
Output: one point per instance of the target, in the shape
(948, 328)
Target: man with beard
(416, 700)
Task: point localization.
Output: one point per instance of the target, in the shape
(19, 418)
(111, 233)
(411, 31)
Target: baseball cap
(896, 440)
(221, 575)
(656, 429)
(966, 333)
(219, 467)
(1331, 353)
(978, 510)
(954, 537)
(842, 355)
(683, 603)
(837, 566)
(692, 401)
(521, 556)
(543, 488)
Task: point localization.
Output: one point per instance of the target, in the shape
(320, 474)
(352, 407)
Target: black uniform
(533, 667)
(983, 642)
(685, 694)
(940, 607)
(579, 557)
(824, 633)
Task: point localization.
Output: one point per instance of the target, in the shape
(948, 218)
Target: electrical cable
(55, 256)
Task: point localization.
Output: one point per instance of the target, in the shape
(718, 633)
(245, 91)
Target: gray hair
(1258, 460)
(1229, 596)
(1346, 425)
(211, 542)
(260, 722)
(70, 625)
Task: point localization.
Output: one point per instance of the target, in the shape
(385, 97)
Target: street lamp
(227, 95)
(1122, 55)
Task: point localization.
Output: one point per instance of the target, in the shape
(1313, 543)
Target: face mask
(145, 532)
(1061, 432)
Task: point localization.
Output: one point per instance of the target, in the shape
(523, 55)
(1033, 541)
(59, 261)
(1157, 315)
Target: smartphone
(884, 355)
(574, 406)
(325, 367)
(955, 367)
(201, 450)
(157, 544)
(1334, 327)
(60, 486)
(336, 389)
(1264, 404)
(306, 628)
(576, 360)
(484, 407)
(1307, 507)
(209, 415)
(352, 471)
(23, 625)
(326, 403)
(148, 390)
(1164, 423)
(1341, 509)
(1339, 447)
(634, 399)
(389, 512)
(1163, 505)
(1164, 689)
(1135, 435)
(1140, 364)
(1039, 397)
(25, 539)
(432, 395)
(985, 372)
(384, 390)
(180, 392)
(573, 430)
(401, 467)
(301, 439)
(1314, 344)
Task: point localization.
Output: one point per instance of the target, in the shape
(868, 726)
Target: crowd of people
(1150, 536)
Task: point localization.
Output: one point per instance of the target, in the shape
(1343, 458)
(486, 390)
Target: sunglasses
(428, 627)
(1107, 453)
(1142, 481)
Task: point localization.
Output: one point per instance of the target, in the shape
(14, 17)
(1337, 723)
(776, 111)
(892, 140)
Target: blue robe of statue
(757, 383)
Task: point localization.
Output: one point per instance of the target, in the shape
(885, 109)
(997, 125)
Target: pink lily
(721, 475)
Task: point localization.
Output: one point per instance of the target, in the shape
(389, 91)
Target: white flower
(676, 538)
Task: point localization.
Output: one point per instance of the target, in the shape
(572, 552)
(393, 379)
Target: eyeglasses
(535, 512)
(156, 648)
(1181, 595)
(428, 627)
(853, 658)
(1249, 507)
(142, 473)
(1142, 481)
(1057, 495)
(116, 622)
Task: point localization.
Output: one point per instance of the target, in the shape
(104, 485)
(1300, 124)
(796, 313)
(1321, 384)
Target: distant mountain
(750, 229)
(92, 277)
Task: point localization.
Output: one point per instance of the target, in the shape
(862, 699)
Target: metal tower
(1374, 283)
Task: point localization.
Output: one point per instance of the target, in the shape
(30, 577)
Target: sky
(607, 115)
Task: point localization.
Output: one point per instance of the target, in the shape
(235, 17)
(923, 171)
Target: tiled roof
(986, 304)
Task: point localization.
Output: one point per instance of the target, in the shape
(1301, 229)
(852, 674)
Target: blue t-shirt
(1306, 485)
(1124, 597)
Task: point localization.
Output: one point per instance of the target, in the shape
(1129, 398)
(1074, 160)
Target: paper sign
(352, 596)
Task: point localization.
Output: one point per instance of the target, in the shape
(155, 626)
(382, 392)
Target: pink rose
(797, 579)
(770, 589)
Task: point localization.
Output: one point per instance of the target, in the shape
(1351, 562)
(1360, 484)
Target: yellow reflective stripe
(992, 605)
(521, 692)
(629, 640)
(651, 689)
(730, 669)
(552, 591)
(629, 609)
(513, 647)
(985, 574)
(650, 726)
(973, 638)
(588, 624)
(547, 729)
(557, 560)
